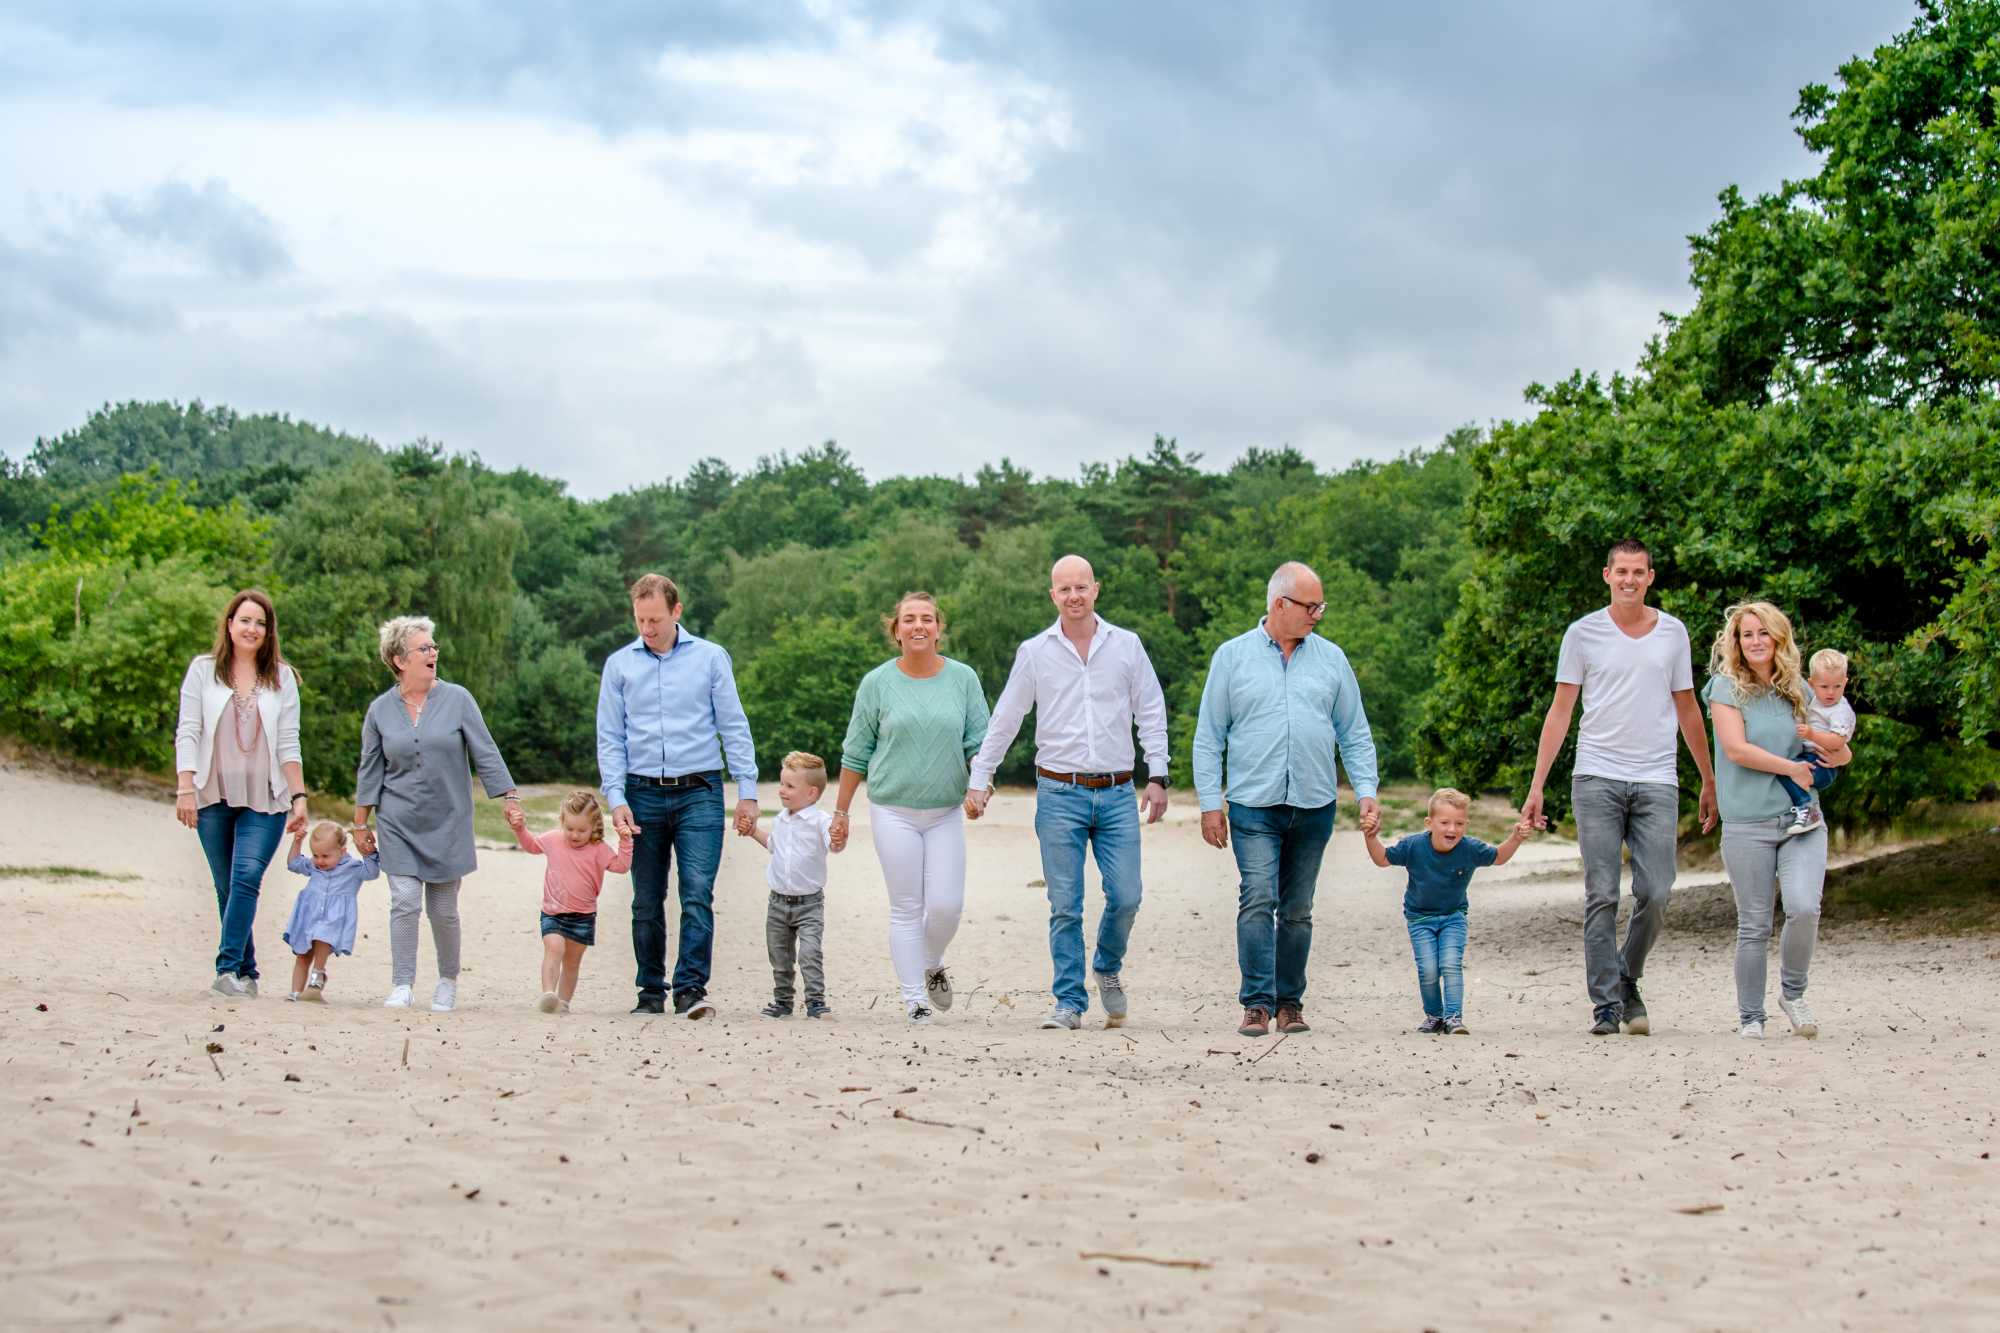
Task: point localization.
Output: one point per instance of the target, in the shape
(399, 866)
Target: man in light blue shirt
(667, 717)
(1278, 702)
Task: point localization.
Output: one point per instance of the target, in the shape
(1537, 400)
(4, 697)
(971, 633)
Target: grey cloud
(53, 291)
(232, 235)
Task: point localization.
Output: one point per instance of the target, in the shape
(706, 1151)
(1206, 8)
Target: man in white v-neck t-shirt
(1631, 664)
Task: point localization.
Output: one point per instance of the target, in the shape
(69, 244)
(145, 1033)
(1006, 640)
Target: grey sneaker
(1431, 1027)
(1805, 818)
(1751, 1031)
(1636, 1024)
(1111, 991)
(1455, 1026)
(776, 1009)
(547, 1004)
(1607, 1021)
(228, 987)
(937, 986)
(1060, 1017)
(1801, 1015)
(249, 986)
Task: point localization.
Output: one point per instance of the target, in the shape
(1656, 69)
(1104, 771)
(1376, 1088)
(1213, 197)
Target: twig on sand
(1273, 1046)
(1145, 1259)
(218, 1067)
(406, 1052)
(126, 998)
(901, 1114)
(1696, 1210)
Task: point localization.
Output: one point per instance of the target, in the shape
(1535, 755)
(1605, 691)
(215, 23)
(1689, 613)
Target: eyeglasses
(1313, 609)
(429, 648)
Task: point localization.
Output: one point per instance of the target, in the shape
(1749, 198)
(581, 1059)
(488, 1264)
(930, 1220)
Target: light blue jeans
(1439, 944)
(1067, 819)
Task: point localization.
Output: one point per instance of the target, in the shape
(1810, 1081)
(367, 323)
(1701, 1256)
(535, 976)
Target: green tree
(799, 692)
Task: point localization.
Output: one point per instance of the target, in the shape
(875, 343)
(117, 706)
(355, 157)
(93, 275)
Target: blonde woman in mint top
(918, 720)
(1757, 695)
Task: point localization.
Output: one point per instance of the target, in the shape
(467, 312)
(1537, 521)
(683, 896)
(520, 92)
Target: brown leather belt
(1094, 781)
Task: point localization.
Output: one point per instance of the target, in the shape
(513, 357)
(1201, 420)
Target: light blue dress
(324, 909)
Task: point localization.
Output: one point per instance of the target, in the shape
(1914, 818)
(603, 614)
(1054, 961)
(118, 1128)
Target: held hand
(184, 809)
(1215, 828)
(1526, 828)
(1531, 809)
(515, 819)
(1371, 809)
(1371, 821)
(836, 836)
(1153, 802)
(1707, 806)
(975, 802)
(621, 819)
(364, 841)
(746, 816)
(296, 824)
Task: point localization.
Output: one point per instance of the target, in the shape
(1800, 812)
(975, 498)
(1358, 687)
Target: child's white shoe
(315, 990)
(565, 1006)
(292, 996)
(445, 998)
(547, 1004)
(399, 998)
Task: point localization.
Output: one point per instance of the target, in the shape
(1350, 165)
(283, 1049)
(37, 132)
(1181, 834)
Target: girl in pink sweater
(578, 863)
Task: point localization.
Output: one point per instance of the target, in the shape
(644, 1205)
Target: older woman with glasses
(420, 741)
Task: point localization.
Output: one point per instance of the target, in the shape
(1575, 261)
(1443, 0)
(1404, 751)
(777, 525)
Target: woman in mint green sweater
(918, 720)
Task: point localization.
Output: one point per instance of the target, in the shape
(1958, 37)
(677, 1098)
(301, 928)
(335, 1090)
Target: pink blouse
(576, 874)
(241, 772)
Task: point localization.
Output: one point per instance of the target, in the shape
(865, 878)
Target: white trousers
(923, 862)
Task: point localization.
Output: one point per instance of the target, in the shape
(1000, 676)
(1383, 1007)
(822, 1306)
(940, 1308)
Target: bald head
(1073, 588)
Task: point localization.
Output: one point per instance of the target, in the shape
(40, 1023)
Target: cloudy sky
(603, 240)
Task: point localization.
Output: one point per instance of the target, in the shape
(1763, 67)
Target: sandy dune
(349, 1167)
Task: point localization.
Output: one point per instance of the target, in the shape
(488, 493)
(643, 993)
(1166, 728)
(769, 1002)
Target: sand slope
(744, 1173)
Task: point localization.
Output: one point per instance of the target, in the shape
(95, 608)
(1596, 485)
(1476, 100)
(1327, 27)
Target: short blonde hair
(1450, 796)
(808, 766)
(656, 585)
(394, 636)
(1831, 661)
(327, 833)
(583, 801)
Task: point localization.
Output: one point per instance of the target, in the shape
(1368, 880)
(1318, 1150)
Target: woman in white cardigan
(241, 787)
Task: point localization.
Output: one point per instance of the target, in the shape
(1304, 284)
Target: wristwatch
(1156, 778)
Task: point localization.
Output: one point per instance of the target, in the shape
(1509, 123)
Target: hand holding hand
(1531, 809)
(1371, 821)
(975, 802)
(364, 841)
(515, 819)
(1526, 828)
(621, 820)
(746, 816)
(296, 822)
(837, 835)
(1215, 828)
(1153, 801)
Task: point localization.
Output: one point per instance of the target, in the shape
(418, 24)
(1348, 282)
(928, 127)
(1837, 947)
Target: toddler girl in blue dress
(323, 915)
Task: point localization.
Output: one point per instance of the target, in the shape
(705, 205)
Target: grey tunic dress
(418, 778)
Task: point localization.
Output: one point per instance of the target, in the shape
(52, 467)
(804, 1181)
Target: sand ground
(345, 1166)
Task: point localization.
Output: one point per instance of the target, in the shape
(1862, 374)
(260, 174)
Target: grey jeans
(1612, 816)
(792, 930)
(1764, 865)
(409, 898)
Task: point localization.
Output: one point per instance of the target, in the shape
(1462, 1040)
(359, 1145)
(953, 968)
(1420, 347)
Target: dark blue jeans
(1822, 779)
(1278, 851)
(239, 844)
(675, 821)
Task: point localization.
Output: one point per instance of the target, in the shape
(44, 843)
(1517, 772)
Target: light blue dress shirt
(1280, 722)
(664, 716)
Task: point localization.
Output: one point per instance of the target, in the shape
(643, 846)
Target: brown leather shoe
(1291, 1019)
(1256, 1022)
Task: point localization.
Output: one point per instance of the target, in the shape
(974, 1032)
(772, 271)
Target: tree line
(1819, 430)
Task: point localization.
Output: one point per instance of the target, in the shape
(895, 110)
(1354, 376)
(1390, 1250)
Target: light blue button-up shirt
(661, 716)
(1280, 722)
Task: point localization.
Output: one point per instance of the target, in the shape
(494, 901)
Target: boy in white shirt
(799, 840)
(1829, 722)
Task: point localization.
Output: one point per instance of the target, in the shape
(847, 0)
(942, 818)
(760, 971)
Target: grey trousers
(792, 930)
(1612, 816)
(1764, 864)
(409, 898)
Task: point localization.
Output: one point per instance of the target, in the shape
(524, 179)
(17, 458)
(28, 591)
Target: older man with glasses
(1279, 702)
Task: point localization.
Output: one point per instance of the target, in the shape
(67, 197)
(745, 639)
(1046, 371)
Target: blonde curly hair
(1726, 657)
(584, 802)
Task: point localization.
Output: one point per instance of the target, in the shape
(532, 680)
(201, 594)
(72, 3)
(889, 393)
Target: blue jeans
(1067, 817)
(1278, 850)
(685, 822)
(1822, 779)
(1439, 944)
(239, 844)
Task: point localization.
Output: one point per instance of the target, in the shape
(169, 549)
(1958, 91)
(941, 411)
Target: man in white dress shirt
(1089, 682)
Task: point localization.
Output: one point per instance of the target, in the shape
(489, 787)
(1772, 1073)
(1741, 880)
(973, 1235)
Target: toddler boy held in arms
(795, 922)
(1829, 723)
(1440, 862)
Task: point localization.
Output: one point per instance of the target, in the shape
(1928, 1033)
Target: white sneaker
(228, 987)
(1751, 1031)
(921, 1013)
(399, 998)
(1060, 1017)
(547, 1004)
(1801, 1015)
(315, 987)
(563, 1007)
(293, 996)
(445, 998)
(249, 985)
(938, 987)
